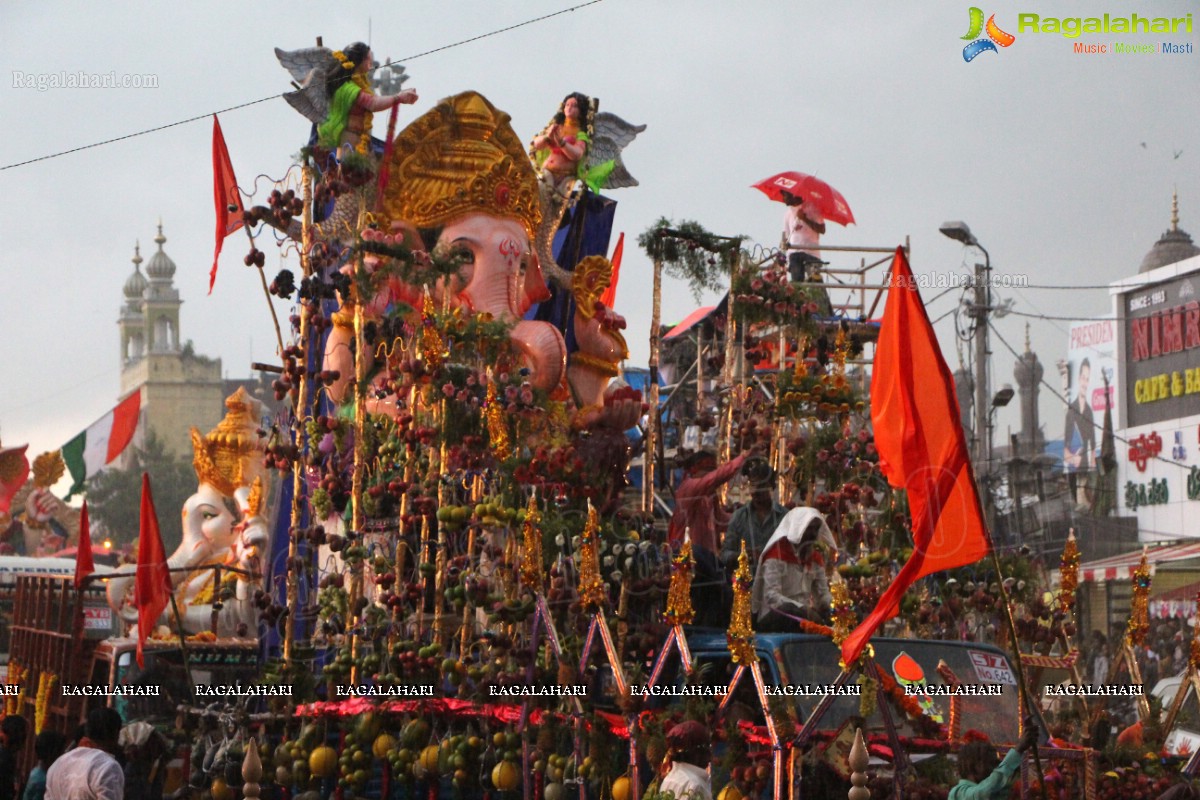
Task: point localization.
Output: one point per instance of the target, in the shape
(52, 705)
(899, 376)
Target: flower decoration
(41, 706)
(679, 595)
(740, 635)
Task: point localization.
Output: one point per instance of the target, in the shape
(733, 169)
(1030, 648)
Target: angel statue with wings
(336, 93)
(580, 143)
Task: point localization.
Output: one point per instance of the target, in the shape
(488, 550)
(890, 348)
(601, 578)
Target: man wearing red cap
(689, 749)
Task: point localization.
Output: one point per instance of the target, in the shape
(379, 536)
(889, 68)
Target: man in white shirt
(689, 749)
(803, 225)
(90, 772)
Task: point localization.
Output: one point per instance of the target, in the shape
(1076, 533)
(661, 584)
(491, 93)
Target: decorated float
(454, 583)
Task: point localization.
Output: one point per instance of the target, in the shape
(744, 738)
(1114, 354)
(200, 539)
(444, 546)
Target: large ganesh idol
(223, 524)
(461, 181)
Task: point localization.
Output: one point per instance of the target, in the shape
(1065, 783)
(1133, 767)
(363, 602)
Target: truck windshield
(914, 663)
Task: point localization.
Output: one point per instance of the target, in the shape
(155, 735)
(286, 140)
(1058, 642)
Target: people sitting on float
(790, 583)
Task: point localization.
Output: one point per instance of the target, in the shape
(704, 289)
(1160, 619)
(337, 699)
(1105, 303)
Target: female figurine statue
(336, 92)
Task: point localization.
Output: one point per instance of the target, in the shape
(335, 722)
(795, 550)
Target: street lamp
(959, 231)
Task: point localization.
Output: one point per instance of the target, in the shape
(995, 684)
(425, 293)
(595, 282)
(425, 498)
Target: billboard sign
(1091, 358)
(1161, 327)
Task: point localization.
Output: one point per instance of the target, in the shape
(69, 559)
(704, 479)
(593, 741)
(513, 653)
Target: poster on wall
(1091, 360)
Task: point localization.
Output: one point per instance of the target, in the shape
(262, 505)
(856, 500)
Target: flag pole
(1022, 688)
(187, 666)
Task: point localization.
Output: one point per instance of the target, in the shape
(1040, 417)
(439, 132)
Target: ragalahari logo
(995, 36)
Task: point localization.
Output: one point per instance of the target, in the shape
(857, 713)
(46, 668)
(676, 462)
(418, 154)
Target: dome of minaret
(135, 284)
(161, 267)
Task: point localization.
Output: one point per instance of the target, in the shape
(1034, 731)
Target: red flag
(84, 563)
(610, 294)
(922, 449)
(152, 586)
(225, 196)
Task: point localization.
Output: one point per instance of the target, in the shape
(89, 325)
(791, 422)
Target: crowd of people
(105, 760)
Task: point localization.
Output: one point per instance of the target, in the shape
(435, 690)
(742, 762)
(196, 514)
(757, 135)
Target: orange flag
(225, 195)
(922, 449)
(152, 586)
(610, 294)
(84, 563)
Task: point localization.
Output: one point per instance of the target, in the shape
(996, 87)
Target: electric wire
(239, 106)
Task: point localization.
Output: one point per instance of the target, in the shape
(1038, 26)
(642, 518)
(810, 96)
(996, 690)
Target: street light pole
(983, 394)
(980, 309)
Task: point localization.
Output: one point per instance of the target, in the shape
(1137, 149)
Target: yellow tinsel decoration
(1139, 607)
(844, 620)
(496, 424)
(679, 596)
(1068, 570)
(432, 347)
(740, 635)
(801, 370)
(41, 706)
(532, 574)
(591, 587)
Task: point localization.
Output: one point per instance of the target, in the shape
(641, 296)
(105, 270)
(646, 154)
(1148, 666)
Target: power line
(1051, 318)
(208, 114)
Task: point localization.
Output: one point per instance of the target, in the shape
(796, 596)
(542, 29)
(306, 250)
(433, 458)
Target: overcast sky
(1063, 164)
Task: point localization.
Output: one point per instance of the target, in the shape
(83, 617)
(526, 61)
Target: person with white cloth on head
(790, 581)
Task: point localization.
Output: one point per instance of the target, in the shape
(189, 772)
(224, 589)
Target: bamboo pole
(360, 457)
(652, 425)
(293, 579)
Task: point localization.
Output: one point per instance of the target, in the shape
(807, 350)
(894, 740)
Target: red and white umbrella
(828, 200)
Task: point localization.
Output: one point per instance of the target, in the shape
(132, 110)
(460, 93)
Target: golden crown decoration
(230, 456)
(461, 157)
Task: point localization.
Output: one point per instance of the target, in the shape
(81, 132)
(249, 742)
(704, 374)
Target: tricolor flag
(103, 441)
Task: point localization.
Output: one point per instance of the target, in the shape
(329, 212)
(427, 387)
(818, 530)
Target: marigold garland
(679, 596)
(1139, 607)
(1068, 570)
(740, 635)
(41, 706)
(16, 675)
(591, 587)
(532, 574)
(868, 701)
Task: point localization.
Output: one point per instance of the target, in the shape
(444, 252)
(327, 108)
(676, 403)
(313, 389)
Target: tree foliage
(114, 496)
(691, 253)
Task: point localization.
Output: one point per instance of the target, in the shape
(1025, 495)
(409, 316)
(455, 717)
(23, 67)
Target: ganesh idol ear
(535, 289)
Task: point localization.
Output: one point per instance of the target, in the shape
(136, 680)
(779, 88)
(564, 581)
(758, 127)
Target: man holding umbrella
(803, 225)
